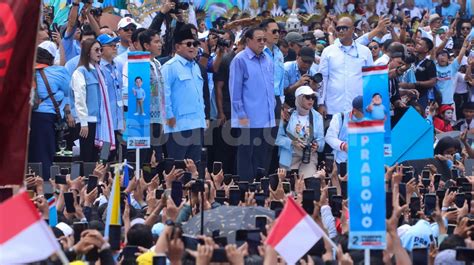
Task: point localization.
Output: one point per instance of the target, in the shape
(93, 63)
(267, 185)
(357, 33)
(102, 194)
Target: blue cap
(107, 39)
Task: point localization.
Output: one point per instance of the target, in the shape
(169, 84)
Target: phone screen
(430, 204)
(69, 202)
(227, 179)
(388, 204)
(114, 236)
(336, 205)
(342, 169)
(186, 178)
(329, 162)
(216, 167)
(261, 223)
(260, 174)
(180, 164)
(129, 252)
(159, 193)
(420, 256)
(78, 228)
(274, 181)
(286, 187)
(104, 153)
(459, 200)
(92, 183)
(177, 192)
(464, 254)
(264, 185)
(260, 199)
(147, 175)
(60, 179)
(234, 197)
(159, 260)
(332, 191)
(415, 205)
(308, 201)
(168, 165)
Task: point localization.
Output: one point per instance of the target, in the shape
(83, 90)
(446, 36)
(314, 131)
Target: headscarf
(299, 106)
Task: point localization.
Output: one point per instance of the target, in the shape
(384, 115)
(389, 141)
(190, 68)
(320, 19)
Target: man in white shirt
(341, 67)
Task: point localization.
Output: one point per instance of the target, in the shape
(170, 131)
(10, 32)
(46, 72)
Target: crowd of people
(255, 108)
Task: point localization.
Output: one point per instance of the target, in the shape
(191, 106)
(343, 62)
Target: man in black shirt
(425, 73)
(224, 135)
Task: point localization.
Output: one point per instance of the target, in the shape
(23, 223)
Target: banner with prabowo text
(366, 185)
(377, 100)
(138, 114)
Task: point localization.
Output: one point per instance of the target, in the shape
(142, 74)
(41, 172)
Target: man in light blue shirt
(447, 10)
(253, 103)
(446, 73)
(272, 33)
(298, 73)
(184, 100)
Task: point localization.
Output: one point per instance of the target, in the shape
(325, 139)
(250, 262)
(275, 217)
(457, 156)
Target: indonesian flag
(24, 236)
(294, 232)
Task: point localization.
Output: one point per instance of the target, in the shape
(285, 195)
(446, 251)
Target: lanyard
(419, 64)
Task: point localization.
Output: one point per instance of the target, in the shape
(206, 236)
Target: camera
(306, 154)
(179, 5)
(317, 78)
(223, 43)
(96, 12)
(220, 41)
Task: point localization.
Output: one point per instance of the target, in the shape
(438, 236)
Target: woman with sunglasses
(302, 136)
(86, 94)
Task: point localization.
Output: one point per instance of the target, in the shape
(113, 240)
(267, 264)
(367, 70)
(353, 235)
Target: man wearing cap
(126, 27)
(336, 135)
(184, 99)
(341, 66)
(113, 81)
(252, 95)
(295, 42)
(298, 73)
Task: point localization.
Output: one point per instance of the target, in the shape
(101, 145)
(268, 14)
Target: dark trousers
(89, 152)
(459, 100)
(225, 147)
(185, 144)
(273, 161)
(252, 151)
(42, 146)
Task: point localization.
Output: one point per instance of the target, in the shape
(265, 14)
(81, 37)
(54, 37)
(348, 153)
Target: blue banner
(366, 186)
(138, 114)
(377, 100)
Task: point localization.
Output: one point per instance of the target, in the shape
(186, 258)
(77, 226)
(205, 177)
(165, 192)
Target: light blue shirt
(445, 76)
(140, 93)
(184, 99)
(58, 80)
(278, 68)
(72, 47)
(251, 90)
(448, 12)
(293, 74)
(71, 65)
(284, 142)
(113, 80)
(121, 49)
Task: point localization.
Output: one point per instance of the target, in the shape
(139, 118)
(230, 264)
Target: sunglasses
(191, 43)
(342, 28)
(129, 28)
(468, 28)
(98, 50)
(261, 40)
(275, 31)
(373, 47)
(310, 97)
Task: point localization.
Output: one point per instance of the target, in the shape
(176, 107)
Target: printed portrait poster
(138, 114)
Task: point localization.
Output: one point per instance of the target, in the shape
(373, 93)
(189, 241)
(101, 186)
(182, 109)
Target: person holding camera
(299, 73)
(302, 136)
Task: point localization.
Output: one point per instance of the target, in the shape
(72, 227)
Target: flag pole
(367, 256)
(62, 257)
(137, 166)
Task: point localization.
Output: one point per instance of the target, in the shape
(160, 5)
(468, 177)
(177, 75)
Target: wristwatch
(169, 222)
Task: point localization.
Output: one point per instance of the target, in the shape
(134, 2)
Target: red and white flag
(24, 235)
(294, 232)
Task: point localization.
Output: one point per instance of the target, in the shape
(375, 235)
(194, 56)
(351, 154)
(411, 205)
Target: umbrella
(227, 219)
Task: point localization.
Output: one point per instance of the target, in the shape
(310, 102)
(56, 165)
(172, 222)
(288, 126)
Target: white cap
(304, 90)
(49, 46)
(203, 35)
(127, 21)
(317, 33)
(65, 228)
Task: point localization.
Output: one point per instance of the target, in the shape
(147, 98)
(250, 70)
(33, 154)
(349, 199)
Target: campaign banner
(377, 100)
(138, 114)
(366, 185)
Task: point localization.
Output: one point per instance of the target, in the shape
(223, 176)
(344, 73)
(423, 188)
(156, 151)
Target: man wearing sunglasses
(272, 33)
(341, 66)
(184, 99)
(252, 95)
(126, 27)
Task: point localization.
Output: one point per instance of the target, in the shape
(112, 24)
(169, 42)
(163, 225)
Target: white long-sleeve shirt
(341, 67)
(336, 135)
(78, 84)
